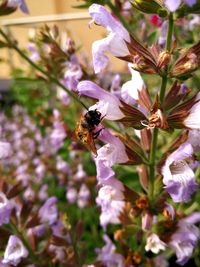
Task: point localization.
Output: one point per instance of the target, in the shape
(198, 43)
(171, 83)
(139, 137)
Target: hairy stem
(167, 48)
(152, 156)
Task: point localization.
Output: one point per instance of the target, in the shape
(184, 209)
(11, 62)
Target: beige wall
(78, 29)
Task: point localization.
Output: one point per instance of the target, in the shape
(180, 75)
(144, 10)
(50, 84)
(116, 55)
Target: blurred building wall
(78, 29)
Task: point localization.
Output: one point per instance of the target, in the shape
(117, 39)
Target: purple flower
(62, 165)
(111, 200)
(163, 34)
(178, 177)
(21, 3)
(190, 2)
(43, 193)
(185, 239)
(112, 153)
(83, 196)
(5, 209)
(131, 88)
(15, 251)
(5, 150)
(108, 256)
(58, 134)
(48, 213)
(109, 105)
(71, 195)
(173, 5)
(192, 121)
(194, 139)
(35, 56)
(72, 75)
(63, 96)
(115, 42)
(80, 174)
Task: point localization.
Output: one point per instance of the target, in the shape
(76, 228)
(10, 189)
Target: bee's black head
(93, 117)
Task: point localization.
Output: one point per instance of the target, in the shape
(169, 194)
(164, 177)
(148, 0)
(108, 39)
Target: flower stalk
(152, 157)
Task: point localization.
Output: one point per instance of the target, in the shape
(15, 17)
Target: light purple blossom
(34, 54)
(108, 256)
(192, 121)
(163, 34)
(21, 3)
(15, 251)
(63, 96)
(173, 5)
(5, 150)
(194, 139)
(5, 209)
(129, 91)
(48, 213)
(115, 42)
(108, 105)
(113, 152)
(185, 239)
(178, 177)
(80, 174)
(62, 165)
(72, 75)
(29, 194)
(58, 135)
(43, 193)
(147, 221)
(71, 195)
(83, 196)
(111, 200)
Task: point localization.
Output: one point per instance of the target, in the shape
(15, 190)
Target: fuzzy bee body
(85, 129)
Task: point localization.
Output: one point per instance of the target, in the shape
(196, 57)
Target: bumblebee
(85, 129)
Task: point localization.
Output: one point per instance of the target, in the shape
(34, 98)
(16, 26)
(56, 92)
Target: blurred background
(65, 14)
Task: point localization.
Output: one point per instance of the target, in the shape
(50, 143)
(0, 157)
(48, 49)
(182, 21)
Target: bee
(85, 129)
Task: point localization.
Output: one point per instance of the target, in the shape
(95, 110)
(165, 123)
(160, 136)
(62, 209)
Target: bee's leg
(103, 117)
(96, 134)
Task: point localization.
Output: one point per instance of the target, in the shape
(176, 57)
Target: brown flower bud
(142, 202)
(119, 234)
(137, 257)
(164, 59)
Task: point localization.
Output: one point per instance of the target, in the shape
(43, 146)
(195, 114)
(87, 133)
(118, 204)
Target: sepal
(187, 63)
(132, 116)
(146, 6)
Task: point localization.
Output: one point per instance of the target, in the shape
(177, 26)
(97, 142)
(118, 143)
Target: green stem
(152, 159)
(12, 45)
(167, 48)
(169, 32)
(152, 156)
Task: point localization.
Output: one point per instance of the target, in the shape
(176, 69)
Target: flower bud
(142, 202)
(146, 6)
(147, 220)
(164, 59)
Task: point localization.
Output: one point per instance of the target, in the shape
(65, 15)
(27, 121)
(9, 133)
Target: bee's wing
(91, 144)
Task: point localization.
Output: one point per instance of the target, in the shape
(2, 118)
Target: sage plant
(151, 130)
